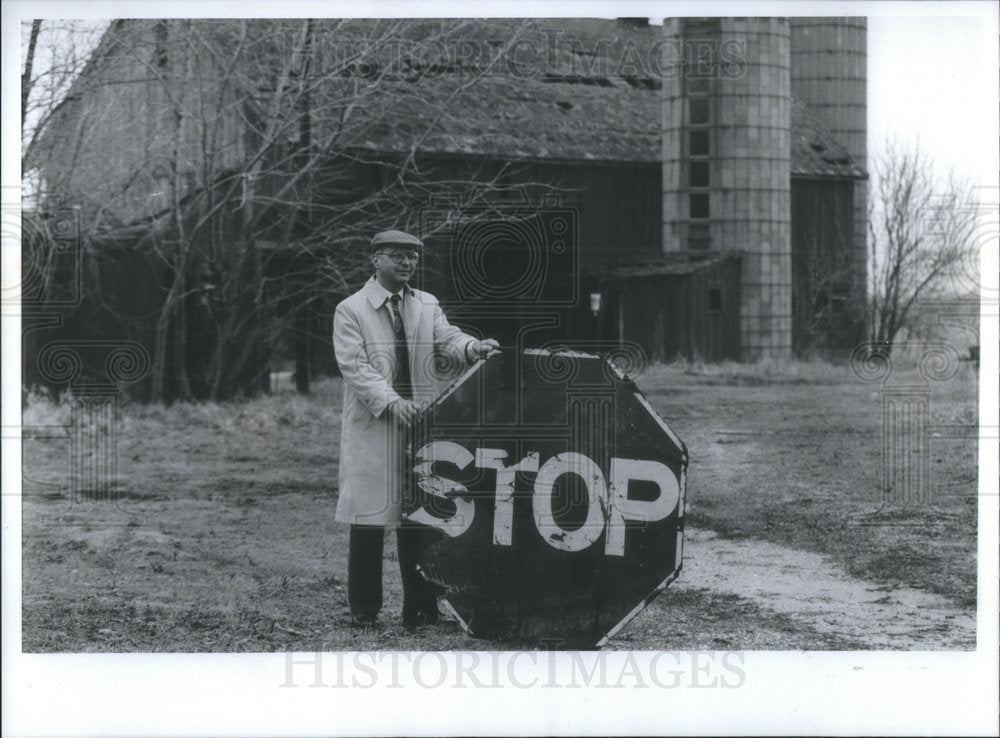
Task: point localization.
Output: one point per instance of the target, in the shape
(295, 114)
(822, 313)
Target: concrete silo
(726, 161)
(829, 73)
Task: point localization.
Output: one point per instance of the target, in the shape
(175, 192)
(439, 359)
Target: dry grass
(766, 369)
(795, 458)
(221, 537)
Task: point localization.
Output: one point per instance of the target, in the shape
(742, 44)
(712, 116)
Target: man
(386, 337)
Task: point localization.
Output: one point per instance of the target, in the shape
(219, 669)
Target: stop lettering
(608, 505)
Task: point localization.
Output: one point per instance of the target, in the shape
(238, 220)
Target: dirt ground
(220, 536)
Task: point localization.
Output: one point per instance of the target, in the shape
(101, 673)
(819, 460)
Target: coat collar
(377, 294)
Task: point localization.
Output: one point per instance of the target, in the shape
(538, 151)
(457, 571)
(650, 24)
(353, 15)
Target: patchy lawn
(221, 535)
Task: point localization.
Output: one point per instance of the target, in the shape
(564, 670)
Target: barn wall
(713, 325)
(612, 209)
(693, 329)
(127, 280)
(676, 315)
(115, 143)
(618, 205)
(619, 208)
(827, 297)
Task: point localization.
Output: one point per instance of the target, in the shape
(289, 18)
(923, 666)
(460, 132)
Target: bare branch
(920, 232)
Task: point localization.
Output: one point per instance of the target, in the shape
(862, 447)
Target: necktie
(401, 381)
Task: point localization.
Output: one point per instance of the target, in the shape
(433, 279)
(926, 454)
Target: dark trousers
(364, 569)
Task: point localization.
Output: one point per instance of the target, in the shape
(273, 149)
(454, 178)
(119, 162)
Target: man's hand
(481, 349)
(405, 411)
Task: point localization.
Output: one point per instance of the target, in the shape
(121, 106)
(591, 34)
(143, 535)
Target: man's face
(395, 266)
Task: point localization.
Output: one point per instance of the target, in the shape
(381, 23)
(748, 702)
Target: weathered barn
(689, 303)
(537, 158)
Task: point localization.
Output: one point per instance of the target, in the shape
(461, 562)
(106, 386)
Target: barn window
(714, 299)
(699, 204)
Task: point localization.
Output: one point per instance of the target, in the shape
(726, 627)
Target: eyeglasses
(398, 257)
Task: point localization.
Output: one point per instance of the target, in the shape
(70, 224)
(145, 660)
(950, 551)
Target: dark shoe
(364, 619)
(414, 616)
(432, 616)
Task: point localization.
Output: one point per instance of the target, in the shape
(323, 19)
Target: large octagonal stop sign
(557, 493)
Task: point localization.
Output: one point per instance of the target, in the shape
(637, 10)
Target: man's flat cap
(395, 238)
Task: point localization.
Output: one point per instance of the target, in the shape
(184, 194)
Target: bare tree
(921, 235)
(54, 53)
(245, 157)
(821, 297)
(27, 79)
(828, 295)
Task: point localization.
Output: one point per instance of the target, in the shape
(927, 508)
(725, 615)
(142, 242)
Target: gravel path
(806, 587)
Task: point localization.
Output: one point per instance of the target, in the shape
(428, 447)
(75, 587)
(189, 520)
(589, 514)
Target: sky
(933, 79)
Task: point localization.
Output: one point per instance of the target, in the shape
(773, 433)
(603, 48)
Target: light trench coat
(371, 442)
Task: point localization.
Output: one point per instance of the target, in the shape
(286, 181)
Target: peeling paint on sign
(560, 497)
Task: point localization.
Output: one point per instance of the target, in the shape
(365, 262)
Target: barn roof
(816, 152)
(647, 264)
(567, 89)
(554, 89)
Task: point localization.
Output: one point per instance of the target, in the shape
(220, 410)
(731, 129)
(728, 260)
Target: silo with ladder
(726, 161)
